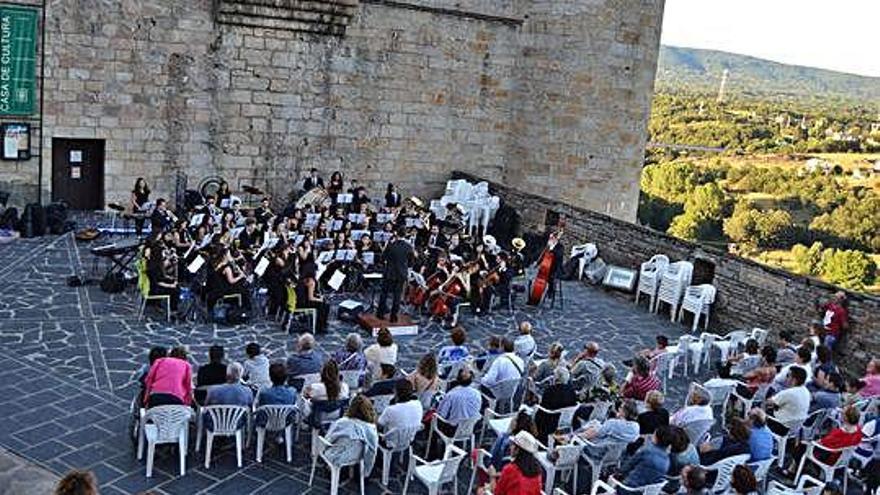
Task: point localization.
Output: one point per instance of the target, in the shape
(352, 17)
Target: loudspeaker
(33, 221)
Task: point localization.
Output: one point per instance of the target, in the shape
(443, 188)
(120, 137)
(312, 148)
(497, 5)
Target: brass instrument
(317, 198)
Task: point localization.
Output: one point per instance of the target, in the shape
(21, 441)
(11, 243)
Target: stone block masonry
(749, 294)
(551, 97)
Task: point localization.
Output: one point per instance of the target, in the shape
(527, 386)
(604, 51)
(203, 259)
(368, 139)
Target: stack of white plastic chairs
(479, 206)
(673, 283)
(589, 252)
(650, 274)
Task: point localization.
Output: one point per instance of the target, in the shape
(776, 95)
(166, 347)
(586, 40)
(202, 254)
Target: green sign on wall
(18, 60)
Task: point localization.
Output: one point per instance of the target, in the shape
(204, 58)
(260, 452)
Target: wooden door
(78, 173)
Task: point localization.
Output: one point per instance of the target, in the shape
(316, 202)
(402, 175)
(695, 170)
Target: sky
(842, 35)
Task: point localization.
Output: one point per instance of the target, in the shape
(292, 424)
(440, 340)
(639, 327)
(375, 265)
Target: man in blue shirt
(279, 394)
(462, 402)
(649, 465)
(760, 439)
(307, 360)
(231, 393)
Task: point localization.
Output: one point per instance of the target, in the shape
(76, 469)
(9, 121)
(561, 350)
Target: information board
(18, 60)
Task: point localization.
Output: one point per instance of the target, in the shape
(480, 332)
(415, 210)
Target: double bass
(545, 264)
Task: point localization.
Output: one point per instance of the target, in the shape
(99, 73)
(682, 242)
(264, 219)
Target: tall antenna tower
(723, 85)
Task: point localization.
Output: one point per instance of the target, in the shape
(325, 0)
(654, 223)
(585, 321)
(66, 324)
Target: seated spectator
(641, 381)
(154, 354)
(848, 434)
(524, 345)
(693, 480)
(548, 366)
(587, 362)
(801, 360)
(792, 404)
(697, 409)
(231, 393)
(521, 422)
(651, 463)
(492, 351)
(655, 416)
(351, 356)
(649, 354)
(760, 438)
(607, 389)
(359, 423)
(256, 367)
(169, 381)
(460, 403)
(764, 373)
(457, 351)
(682, 452)
(738, 363)
(77, 482)
(424, 378)
(557, 396)
(384, 351)
(734, 442)
(624, 428)
(871, 379)
(786, 350)
(743, 481)
(406, 410)
(279, 394)
(330, 387)
(824, 367)
(385, 383)
(522, 476)
(852, 395)
(306, 360)
(508, 366)
(830, 395)
(211, 373)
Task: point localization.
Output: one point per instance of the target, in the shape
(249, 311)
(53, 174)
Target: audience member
(734, 442)
(802, 360)
(77, 482)
(697, 408)
(871, 379)
(760, 438)
(587, 362)
(211, 373)
(460, 403)
(651, 463)
(358, 424)
(830, 395)
(384, 351)
(641, 381)
(231, 393)
(256, 367)
(508, 366)
(693, 480)
(351, 356)
(385, 383)
(279, 394)
(524, 345)
(655, 416)
(492, 351)
(169, 381)
(835, 319)
(557, 396)
(792, 404)
(624, 428)
(330, 387)
(405, 412)
(306, 360)
(522, 476)
(424, 378)
(458, 350)
(548, 366)
(682, 452)
(743, 481)
(521, 422)
(786, 350)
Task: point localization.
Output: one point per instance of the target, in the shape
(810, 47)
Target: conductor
(397, 257)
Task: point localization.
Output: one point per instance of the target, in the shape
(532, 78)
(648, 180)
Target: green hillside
(696, 70)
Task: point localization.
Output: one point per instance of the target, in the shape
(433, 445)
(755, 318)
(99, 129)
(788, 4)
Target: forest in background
(792, 181)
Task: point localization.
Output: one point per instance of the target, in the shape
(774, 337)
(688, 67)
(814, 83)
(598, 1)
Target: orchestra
(329, 240)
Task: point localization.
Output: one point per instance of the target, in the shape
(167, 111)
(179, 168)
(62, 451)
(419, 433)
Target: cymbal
(115, 206)
(251, 190)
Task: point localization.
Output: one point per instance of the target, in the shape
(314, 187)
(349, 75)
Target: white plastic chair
(381, 402)
(276, 420)
(673, 283)
(762, 470)
(827, 470)
(464, 432)
(589, 252)
(611, 454)
(437, 473)
(698, 430)
(728, 344)
(806, 486)
(650, 274)
(780, 442)
(351, 453)
(353, 379)
(164, 424)
(661, 365)
(612, 486)
(566, 462)
(724, 468)
(760, 335)
(687, 349)
(697, 300)
(227, 421)
(495, 421)
(504, 395)
(396, 441)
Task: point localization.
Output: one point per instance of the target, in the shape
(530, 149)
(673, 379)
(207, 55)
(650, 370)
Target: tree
(857, 220)
(807, 259)
(703, 213)
(850, 269)
(756, 228)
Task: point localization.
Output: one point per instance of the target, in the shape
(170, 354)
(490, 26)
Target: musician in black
(249, 240)
(558, 250)
(307, 294)
(500, 290)
(397, 258)
(225, 278)
(392, 197)
(140, 196)
(161, 219)
(162, 273)
(263, 214)
(312, 181)
(223, 193)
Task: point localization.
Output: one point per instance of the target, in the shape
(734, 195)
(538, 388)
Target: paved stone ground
(69, 358)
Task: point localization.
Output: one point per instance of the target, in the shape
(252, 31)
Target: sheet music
(325, 257)
(345, 254)
(369, 258)
(336, 280)
(358, 218)
(313, 218)
(226, 203)
(236, 232)
(326, 241)
(356, 235)
(414, 222)
(196, 219)
(379, 236)
(297, 240)
(349, 304)
(261, 267)
(335, 225)
(196, 264)
(344, 198)
(373, 276)
(206, 241)
(383, 218)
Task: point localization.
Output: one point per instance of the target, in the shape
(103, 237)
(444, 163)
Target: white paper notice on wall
(10, 147)
(76, 156)
(75, 172)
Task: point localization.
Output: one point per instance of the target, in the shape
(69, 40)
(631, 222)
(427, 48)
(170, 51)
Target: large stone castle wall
(549, 96)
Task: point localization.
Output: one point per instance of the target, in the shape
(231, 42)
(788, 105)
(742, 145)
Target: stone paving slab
(69, 359)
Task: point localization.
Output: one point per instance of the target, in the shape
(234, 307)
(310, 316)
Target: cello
(545, 263)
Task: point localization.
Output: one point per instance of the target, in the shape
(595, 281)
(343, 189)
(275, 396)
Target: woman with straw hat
(521, 476)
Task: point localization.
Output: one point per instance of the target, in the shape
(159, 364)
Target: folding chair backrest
(696, 430)
(736, 339)
(566, 416)
(465, 428)
(504, 393)
(450, 466)
(761, 468)
(760, 335)
(168, 421)
(427, 399)
(345, 452)
(600, 411)
(813, 424)
(568, 455)
(276, 416)
(613, 452)
(401, 438)
(724, 468)
(325, 412)
(226, 419)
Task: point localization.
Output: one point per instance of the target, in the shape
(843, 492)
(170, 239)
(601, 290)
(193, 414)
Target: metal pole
(42, 92)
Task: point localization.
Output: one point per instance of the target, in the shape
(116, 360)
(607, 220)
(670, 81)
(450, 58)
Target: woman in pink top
(169, 381)
(871, 379)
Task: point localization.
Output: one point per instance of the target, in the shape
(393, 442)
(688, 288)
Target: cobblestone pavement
(69, 358)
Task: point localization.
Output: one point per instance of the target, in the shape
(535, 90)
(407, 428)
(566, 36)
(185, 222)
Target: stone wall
(550, 96)
(749, 294)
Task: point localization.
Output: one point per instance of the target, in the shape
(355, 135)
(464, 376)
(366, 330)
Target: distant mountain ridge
(693, 69)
